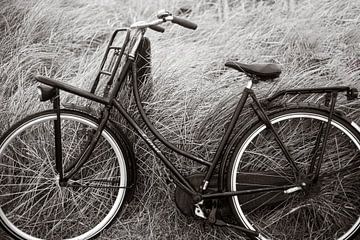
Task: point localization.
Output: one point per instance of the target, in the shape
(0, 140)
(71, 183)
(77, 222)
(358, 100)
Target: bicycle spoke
(325, 210)
(32, 198)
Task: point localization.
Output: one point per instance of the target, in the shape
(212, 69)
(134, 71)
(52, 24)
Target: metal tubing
(327, 130)
(184, 183)
(308, 91)
(226, 137)
(153, 129)
(264, 118)
(115, 90)
(245, 192)
(136, 44)
(57, 132)
(71, 89)
(96, 81)
(73, 168)
(90, 147)
(315, 149)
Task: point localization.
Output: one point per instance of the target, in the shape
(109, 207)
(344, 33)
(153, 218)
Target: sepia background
(191, 93)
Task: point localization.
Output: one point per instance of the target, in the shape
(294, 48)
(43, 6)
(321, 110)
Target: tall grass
(317, 43)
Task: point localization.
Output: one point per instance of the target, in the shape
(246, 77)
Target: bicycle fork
(66, 174)
(75, 166)
(57, 132)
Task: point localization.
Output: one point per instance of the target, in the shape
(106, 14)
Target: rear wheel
(327, 209)
(34, 204)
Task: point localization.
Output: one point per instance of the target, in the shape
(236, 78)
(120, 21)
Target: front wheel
(34, 204)
(325, 209)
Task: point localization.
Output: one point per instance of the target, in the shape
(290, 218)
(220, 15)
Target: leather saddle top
(262, 71)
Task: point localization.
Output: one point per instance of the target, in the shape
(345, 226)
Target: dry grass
(317, 42)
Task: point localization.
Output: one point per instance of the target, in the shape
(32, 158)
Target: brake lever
(163, 14)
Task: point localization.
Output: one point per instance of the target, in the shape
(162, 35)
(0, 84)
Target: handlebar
(157, 28)
(185, 23)
(164, 16)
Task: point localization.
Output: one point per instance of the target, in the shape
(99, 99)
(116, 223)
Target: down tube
(185, 184)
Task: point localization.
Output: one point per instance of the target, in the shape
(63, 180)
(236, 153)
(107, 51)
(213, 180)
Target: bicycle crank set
(185, 202)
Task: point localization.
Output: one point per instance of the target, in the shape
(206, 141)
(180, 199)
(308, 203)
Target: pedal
(198, 211)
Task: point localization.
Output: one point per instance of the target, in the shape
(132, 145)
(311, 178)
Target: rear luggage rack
(350, 93)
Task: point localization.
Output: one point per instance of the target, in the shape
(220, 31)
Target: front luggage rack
(112, 60)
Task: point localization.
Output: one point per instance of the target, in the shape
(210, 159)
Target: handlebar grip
(184, 23)
(157, 28)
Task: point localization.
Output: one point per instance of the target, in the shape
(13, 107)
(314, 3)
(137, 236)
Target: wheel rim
(65, 212)
(247, 152)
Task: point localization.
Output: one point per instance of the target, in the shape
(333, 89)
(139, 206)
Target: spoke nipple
(303, 184)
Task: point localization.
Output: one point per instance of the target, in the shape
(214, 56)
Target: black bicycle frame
(180, 179)
(110, 101)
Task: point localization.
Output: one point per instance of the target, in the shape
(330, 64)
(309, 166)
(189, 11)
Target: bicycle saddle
(262, 71)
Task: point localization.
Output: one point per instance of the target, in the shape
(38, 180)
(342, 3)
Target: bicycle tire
(329, 209)
(34, 205)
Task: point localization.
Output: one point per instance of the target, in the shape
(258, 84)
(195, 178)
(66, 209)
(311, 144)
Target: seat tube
(226, 135)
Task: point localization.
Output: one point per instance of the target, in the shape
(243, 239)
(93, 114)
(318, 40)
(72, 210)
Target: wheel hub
(313, 188)
(61, 183)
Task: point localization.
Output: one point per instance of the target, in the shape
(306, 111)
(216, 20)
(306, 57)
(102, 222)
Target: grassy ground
(317, 43)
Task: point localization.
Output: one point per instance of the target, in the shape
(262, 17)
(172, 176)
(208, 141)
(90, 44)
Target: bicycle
(293, 174)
